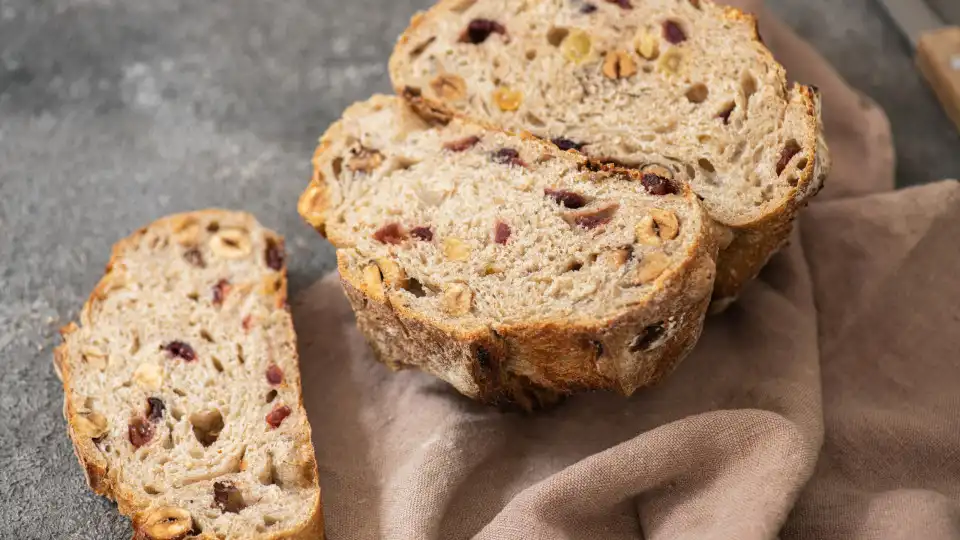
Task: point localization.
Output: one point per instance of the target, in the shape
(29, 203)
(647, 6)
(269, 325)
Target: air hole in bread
(531, 54)
(556, 35)
(217, 365)
(706, 165)
(179, 392)
(271, 395)
(167, 442)
(534, 120)
(463, 6)
(802, 164)
(207, 426)
(647, 68)
(749, 85)
(415, 288)
(669, 127)
(737, 151)
(176, 412)
(269, 521)
(213, 226)
(793, 180)
(206, 335)
(418, 50)
(196, 453)
(697, 93)
(695, 4)
(704, 139)
(691, 172)
(135, 344)
(648, 338)
(337, 166)
(240, 357)
(195, 296)
(574, 266)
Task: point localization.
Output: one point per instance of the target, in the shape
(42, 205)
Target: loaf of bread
(182, 386)
(514, 270)
(620, 79)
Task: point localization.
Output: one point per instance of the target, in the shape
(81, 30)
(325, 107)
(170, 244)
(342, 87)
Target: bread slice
(619, 79)
(182, 387)
(516, 271)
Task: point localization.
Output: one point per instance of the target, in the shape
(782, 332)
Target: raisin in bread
(514, 270)
(619, 79)
(182, 388)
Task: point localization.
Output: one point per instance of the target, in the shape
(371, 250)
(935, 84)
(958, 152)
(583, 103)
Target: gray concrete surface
(113, 113)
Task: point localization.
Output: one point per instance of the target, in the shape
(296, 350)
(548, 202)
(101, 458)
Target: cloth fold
(821, 405)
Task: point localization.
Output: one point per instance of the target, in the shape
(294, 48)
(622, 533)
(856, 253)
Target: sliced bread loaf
(510, 268)
(619, 79)
(182, 387)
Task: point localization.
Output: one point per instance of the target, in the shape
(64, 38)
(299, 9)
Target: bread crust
(530, 364)
(754, 241)
(100, 477)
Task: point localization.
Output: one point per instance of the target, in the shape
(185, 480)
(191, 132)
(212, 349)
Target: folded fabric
(822, 405)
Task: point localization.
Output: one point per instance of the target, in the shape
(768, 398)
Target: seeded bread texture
(619, 80)
(182, 386)
(514, 270)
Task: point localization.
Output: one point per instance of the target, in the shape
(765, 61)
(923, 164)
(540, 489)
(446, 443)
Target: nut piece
(576, 46)
(615, 258)
(186, 232)
(619, 65)
(90, 425)
(647, 45)
(651, 267)
(668, 226)
(148, 376)
(232, 243)
(671, 61)
(457, 300)
(455, 249)
(449, 86)
(94, 357)
(659, 226)
(507, 99)
(364, 160)
(168, 523)
(393, 275)
(373, 281)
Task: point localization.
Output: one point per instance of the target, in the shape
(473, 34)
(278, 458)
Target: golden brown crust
(96, 470)
(754, 242)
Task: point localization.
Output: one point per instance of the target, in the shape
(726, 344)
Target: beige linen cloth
(824, 404)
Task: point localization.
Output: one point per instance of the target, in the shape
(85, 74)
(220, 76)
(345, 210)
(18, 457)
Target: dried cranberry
(790, 150)
(592, 221)
(274, 254)
(422, 233)
(194, 257)
(389, 234)
(277, 415)
(566, 198)
(508, 156)
(480, 29)
(588, 8)
(140, 432)
(501, 233)
(220, 291)
(180, 349)
(625, 4)
(725, 114)
(155, 408)
(567, 144)
(228, 497)
(274, 374)
(658, 185)
(460, 145)
(673, 33)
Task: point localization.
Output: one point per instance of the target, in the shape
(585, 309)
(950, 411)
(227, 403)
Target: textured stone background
(113, 113)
